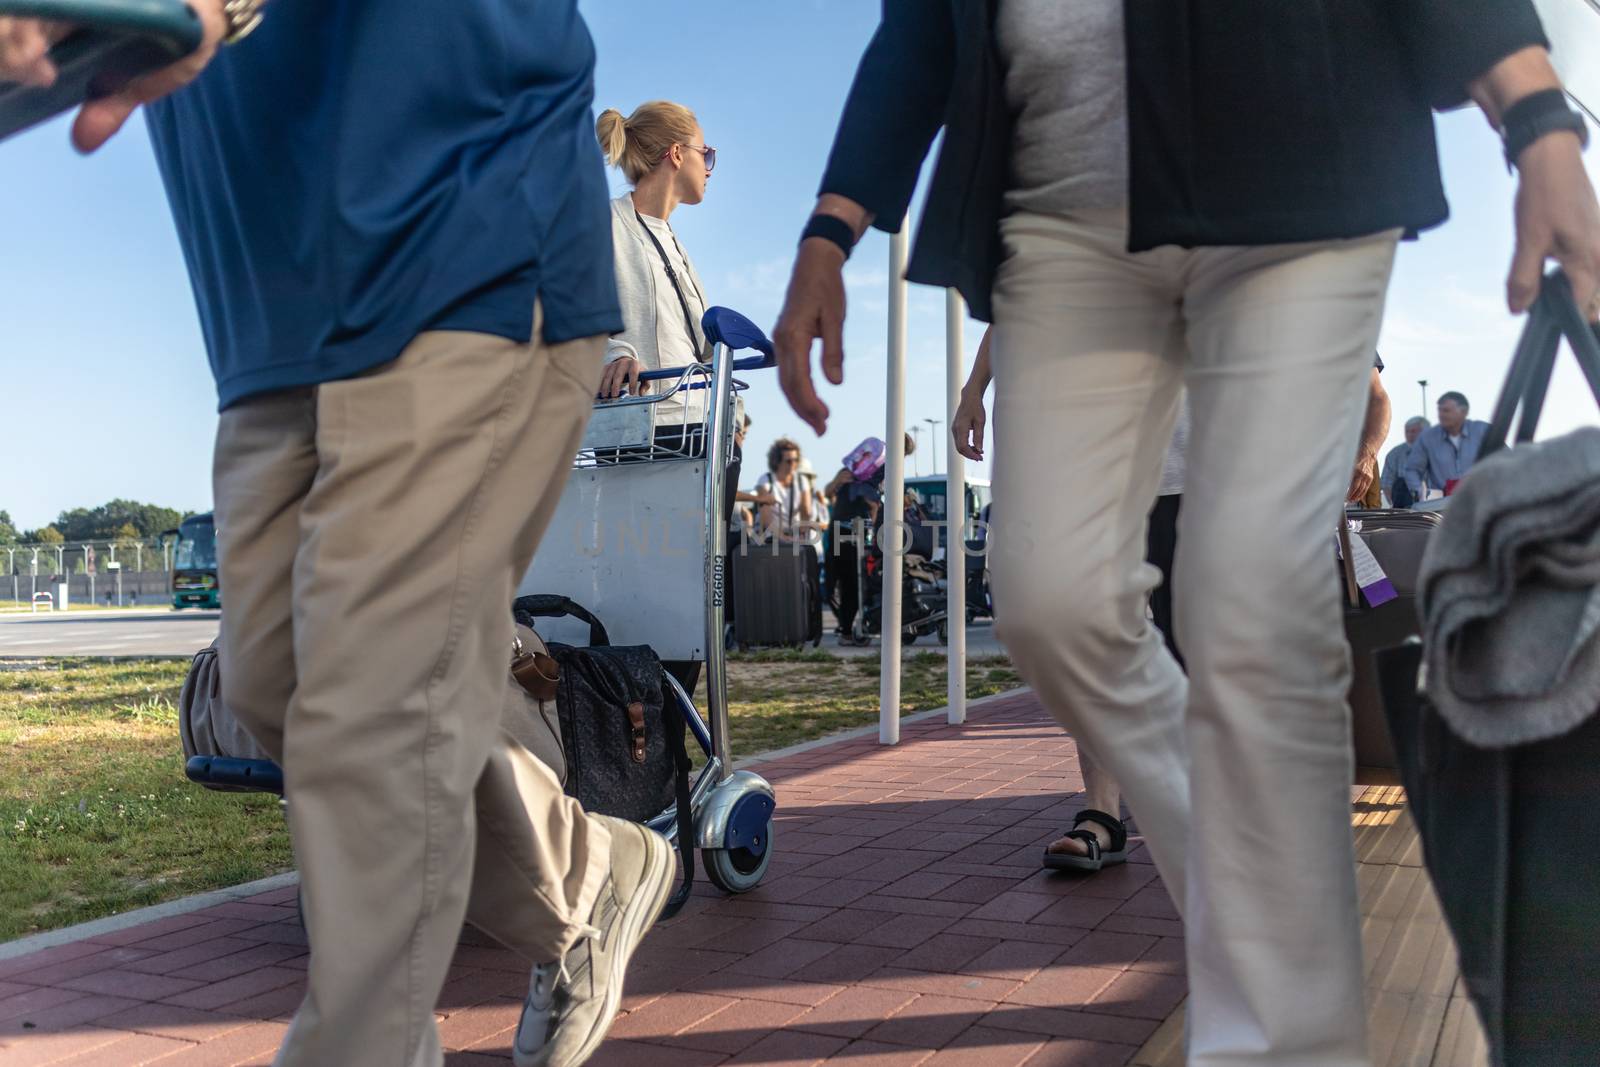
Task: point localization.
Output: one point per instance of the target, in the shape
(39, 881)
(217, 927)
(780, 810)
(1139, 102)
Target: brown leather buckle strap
(636, 733)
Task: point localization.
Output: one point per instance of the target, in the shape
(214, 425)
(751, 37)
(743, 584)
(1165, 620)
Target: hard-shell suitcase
(772, 596)
(1397, 539)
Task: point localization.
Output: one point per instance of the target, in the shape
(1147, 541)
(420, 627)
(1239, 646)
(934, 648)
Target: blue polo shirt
(352, 174)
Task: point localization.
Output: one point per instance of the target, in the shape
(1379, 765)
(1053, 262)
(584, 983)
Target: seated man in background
(1394, 465)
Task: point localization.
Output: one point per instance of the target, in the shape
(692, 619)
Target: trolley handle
(673, 373)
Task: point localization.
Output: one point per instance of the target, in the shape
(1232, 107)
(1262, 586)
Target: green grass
(782, 698)
(95, 814)
(97, 818)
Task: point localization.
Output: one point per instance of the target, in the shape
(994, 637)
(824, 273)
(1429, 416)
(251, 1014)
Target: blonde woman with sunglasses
(662, 152)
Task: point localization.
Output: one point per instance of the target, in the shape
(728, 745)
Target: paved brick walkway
(905, 921)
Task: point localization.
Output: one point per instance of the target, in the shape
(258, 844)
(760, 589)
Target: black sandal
(1097, 857)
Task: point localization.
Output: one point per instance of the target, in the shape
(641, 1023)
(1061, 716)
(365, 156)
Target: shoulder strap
(672, 275)
(676, 726)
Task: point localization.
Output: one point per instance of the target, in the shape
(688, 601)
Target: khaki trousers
(1239, 775)
(372, 532)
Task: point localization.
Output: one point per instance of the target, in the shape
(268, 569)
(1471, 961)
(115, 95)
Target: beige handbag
(529, 713)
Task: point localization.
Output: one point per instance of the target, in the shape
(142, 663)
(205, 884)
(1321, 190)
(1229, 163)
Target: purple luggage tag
(1376, 588)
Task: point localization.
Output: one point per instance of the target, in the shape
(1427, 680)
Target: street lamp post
(1424, 383)
(933, 434)
(33, 584)
(11, 565)
(916, 451)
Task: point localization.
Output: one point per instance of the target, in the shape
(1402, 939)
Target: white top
(652, 319)
(1065, 81)
(791, 499)
(1176, 463)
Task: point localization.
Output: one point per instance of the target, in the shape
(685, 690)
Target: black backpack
(621, 733)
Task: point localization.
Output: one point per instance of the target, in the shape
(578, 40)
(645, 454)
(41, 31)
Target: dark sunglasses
(705, 150)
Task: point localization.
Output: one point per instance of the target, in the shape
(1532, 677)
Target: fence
(36, 568)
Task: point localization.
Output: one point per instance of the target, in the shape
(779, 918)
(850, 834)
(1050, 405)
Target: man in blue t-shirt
(395, 221)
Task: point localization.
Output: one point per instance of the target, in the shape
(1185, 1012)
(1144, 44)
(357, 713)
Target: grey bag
(208, 727)
(205, 724)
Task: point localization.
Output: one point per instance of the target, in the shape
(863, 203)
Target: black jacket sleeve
(894, 110)
(1453, 42)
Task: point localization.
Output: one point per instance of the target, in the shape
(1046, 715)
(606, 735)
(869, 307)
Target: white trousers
(1239, 775)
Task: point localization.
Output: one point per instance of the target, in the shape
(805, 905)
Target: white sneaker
(572, 1002)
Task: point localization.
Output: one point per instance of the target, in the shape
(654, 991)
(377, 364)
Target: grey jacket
(638, 266)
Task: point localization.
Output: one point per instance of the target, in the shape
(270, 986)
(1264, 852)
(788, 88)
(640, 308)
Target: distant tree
(8, 532)
(47, 535)
(107, 521)
(127, 535)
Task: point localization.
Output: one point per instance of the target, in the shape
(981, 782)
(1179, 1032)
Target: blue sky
(107, 381)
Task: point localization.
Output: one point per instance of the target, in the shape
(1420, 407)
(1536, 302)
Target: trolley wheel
(944, 632)
(737, 870)
(910, 637)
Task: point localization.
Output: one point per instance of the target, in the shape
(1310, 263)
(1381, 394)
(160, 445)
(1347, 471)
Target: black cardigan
(1249, 121)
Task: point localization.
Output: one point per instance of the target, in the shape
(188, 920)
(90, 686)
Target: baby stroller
(923, 595)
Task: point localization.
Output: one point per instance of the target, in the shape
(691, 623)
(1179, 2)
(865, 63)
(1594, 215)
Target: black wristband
(831, 228)
(1535, 115)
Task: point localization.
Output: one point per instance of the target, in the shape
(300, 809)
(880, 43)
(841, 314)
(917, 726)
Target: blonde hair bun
(637, 143)
(612, 130)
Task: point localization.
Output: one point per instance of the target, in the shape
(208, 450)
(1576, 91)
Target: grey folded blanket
(1510, 595)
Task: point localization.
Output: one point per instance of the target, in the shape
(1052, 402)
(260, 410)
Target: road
(181, 633)
(119, 633)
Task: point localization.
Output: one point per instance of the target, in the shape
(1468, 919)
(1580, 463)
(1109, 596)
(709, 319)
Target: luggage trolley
(639, 538)
(659, 580)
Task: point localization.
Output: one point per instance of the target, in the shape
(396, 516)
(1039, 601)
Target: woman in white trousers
(1220, 213)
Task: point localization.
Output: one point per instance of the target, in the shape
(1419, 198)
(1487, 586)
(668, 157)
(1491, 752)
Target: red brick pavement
(905, 921)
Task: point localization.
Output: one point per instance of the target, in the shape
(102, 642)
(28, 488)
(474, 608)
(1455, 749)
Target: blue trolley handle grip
(236, 775)
(674, 373)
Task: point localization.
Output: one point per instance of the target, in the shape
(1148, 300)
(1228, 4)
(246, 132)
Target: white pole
(894, 492)
(955, 511)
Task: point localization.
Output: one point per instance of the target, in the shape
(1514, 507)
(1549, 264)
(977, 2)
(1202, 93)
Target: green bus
(194, 563)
